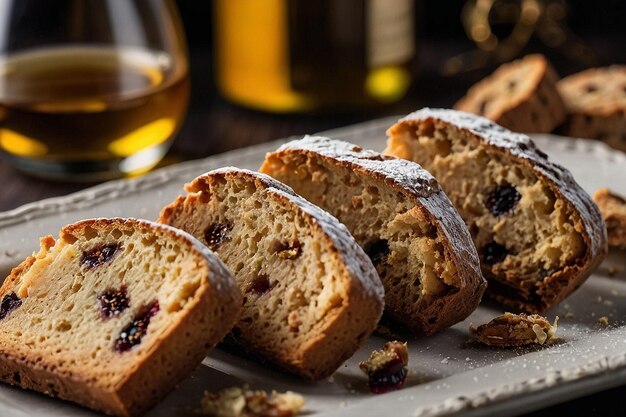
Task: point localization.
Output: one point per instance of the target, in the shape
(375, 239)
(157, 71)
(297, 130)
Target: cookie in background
(596, 105)
(520, 95)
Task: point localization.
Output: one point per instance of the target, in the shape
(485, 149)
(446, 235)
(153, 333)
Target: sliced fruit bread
(311, 295)
(113, 314)
(398, 213)
(538, 233)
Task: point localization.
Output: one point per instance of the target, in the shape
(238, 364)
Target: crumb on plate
(243, 402)
(386, 369)
(515, 330)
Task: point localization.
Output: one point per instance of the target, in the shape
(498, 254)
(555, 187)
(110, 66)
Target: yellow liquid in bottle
(298, 56)
(252, 61)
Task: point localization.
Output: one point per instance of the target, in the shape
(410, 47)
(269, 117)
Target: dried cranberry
(386, 369)
(132, 334)
(502, 199)
(288, 250)
(259, 285)
(216, 234)
(99, 255)
(388, 378)
(378, 251)
(9, 303)
(113, 302)
(494, 253)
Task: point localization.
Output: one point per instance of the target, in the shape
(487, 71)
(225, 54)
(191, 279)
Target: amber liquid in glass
(89, 110)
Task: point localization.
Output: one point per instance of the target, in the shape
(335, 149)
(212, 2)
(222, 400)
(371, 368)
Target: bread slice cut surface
(398, 213)
(113, 314)
(311, 295)
(538, 233)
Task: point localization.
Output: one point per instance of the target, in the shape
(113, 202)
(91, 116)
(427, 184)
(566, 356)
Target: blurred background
(429, 55)
(595, 36)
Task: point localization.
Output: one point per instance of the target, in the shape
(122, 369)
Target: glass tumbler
(90, 89)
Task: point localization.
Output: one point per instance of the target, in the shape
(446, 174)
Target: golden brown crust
(520, 95)
(613, 209)
(558, 284)
(341, 331)
(181, 345)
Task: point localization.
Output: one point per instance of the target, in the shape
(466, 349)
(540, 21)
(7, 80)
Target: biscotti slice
(538, 233)
(398, 213)
(596, 105)
(311, 295)
(113, 314)
(613, 209)
(520, 95)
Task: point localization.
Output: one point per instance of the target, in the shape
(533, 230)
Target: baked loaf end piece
(398, 213)
(311, 295)
(538, 233)
(520, 95)
(113, 314)
(613, 209)
(596, 105)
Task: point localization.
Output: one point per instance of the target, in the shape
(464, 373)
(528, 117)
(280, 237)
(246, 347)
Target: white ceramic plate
(447, 375)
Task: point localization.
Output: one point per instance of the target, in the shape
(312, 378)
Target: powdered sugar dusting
(408, 175)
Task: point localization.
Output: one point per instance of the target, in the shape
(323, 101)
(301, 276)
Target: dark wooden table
(213, 126)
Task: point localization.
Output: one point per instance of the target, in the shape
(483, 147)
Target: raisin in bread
(113, 314)
(613, 209)
(537, 231)
(596, 105)
(398, 213)
(311, 295)
(520, 95)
